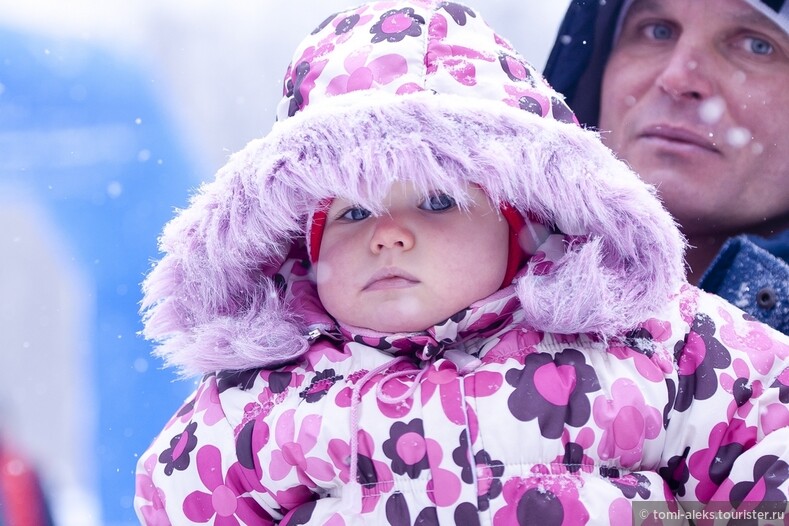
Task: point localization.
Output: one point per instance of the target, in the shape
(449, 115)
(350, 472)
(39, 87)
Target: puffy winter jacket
(596, 382)
(482, 420)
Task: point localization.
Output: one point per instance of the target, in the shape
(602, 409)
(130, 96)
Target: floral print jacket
(481, 420)
(596, 382)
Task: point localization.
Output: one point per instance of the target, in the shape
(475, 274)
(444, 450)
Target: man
(694, 94)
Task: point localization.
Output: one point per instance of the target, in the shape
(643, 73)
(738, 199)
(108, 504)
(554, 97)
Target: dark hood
(583, 44)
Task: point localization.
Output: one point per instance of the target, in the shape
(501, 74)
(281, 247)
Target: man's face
(695, 97)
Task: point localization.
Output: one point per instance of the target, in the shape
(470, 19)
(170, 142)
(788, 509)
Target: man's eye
(659, 31)
(355, 213)
(438, 203)
(758, 46)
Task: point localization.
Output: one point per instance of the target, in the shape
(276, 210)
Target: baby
(428, 297)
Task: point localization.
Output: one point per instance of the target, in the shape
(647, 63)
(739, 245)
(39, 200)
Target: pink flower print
(363, 75)
(325, 350)
(633, 484)
(176, 457)
(711, 466)
(343, 26)
(489, 472)
(324, 24)
(339, 452)
(751, 338)
(652, 361)
(562, 112)
(292, 452)
(620, 513)
(516, 69)
(574, 457)
(223, 501)
(502, 43)
(406, 448)
(399, 514)
(374, 476)
(153, 512)
(627, 421)
(782, 384)
(676, 474)
(300, 77)
(659, 330)
(458, 12)
(769, 475)
(483, 383)
(444, 486)
(186, 412)
(553, 499)
(776, 415)
(243, 380)
(741, 388)
(553, 389)
(456, 60)
(491, 323)
(444, 379)
(409, 87)
(300, 515)
(644, 364)
(395, 25)
(343, 398)
(697, 358)
(208, 403)
(294, 497)
(250, 440)
(271, 395)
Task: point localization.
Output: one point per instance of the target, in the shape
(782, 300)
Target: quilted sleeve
(193, 474)
(727, 442)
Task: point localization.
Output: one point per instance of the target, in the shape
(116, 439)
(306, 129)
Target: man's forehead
(740, 12)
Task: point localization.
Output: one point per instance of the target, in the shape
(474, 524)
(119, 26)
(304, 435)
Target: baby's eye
(438, 203)
(355, 213)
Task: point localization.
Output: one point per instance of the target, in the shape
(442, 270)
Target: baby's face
(413, 267)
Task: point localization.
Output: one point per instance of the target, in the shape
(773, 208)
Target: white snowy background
(216, 68)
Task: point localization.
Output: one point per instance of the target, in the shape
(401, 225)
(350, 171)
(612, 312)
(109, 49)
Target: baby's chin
(406, 315)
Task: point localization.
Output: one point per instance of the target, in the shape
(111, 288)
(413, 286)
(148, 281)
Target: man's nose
(391, 233)
(686, 74)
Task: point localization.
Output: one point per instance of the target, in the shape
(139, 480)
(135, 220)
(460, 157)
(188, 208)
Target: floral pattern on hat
(424, 46)
(395, 25)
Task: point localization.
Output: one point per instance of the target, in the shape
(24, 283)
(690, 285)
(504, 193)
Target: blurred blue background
(110, 115)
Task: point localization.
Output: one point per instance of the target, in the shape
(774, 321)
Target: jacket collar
(469, 330)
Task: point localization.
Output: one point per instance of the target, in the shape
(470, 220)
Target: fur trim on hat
(212, 303)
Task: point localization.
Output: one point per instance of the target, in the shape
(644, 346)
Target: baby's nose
(390, 233)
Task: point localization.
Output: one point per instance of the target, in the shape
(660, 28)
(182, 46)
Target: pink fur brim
(211, 303)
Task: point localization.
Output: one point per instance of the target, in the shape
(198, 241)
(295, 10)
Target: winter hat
(424, 92)
(403, 49)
